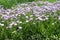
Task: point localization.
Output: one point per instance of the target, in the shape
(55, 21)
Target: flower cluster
(27, 11)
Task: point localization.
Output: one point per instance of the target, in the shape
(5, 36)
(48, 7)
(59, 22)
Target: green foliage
(52, 0)
(10, 3)
(33, 30)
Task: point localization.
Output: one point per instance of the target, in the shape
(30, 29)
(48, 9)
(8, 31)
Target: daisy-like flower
(27, 9)
(6, 17)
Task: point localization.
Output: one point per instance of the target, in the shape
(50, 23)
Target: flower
(1, 24)
(13, 23)
(27, 9)
(8, 11)
(19, 28)
(27, 17)
(6, 17)
(27, 20)
(58, 17)
(19, 21)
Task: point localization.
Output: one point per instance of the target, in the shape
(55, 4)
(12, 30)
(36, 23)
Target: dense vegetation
(10, 3)
(36, 20)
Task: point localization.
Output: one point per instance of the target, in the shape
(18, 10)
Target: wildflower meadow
(29, 19)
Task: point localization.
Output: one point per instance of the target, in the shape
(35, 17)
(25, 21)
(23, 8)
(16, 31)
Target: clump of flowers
(27, 12)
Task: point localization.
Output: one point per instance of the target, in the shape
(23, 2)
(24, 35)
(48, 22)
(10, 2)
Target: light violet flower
(27, 9)
(36, 7)
(33, 3)
(8, 11)
(6, 17)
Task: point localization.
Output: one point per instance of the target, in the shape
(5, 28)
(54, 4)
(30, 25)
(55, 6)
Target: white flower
(2, 21)
(31, 15)
(16, 14)
(24, 4)
(1, 24)
(27, 17)
(13, 23)
(13, 16)
(20, 28)
(46, 18)
(27, 20)
(58, 17)
(9, 26)
(30, 19)
(40, 2)
(19, 21)
(40, 18)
